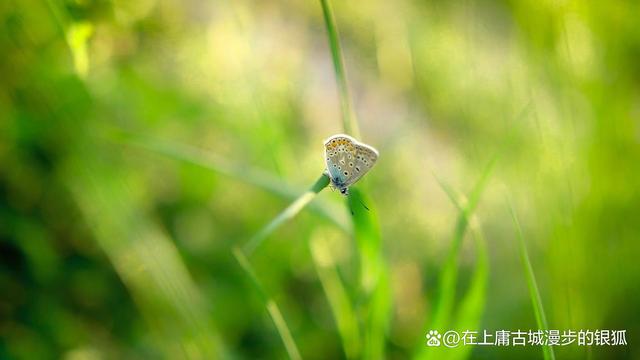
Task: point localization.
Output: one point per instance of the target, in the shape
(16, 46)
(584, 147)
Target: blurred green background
(141, 141)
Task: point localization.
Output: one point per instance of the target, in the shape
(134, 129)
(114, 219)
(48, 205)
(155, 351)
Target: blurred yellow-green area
(142, 141)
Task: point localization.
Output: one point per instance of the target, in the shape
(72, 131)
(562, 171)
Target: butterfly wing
(340, 154)
(365, 157)
(347, 159)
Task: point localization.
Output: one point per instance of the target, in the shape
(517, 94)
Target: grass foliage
(161, 163)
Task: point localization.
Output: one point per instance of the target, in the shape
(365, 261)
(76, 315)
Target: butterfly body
(347, 160)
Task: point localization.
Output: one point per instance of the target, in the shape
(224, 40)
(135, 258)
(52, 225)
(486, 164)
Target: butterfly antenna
(365, 206)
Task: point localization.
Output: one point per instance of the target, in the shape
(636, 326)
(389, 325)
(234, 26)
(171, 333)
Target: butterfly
(347, 160)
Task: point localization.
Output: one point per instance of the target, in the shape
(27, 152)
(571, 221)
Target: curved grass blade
(241, 256)
(374, 306)
(262, 180)
(374, 303)
(472, 305)
(349, 122)
(292, 210)
(448, 279)
(338, 298)
(212, 162)
(449, 276)
(270, 305)
(534, 292)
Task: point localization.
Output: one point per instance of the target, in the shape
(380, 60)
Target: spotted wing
(365, 157)
(347, 159)
(340, 154)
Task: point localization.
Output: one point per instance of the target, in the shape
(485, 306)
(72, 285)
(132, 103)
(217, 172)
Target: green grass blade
(473, 303)
(534, 292)
(367, 234)
(241, 255)
(259, 179)
(374, 304)
(219, 165)
(209, 161)
(448, 279)
(144, 257)
(288, 213)
(449, 275)
(270, 305)
(337, 296)
(349, 121)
